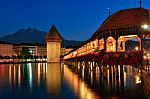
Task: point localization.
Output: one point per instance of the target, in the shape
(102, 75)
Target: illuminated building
(6, 49)
(34, 49)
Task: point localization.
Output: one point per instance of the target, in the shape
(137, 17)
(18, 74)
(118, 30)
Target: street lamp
(109, 12)
(146, 27)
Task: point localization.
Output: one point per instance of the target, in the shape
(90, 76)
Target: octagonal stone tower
(53, 40)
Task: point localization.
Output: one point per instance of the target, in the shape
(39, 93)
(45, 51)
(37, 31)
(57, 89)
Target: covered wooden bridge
(107, 45)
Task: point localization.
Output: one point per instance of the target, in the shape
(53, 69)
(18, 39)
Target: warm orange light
(136, 48)
(138, 80)
(144, 57)
(145, 26)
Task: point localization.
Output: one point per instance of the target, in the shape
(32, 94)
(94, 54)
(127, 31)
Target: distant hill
(32, 35)
(25, 36)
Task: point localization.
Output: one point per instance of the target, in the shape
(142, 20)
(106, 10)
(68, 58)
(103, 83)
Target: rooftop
(53, 34)
(134, 17)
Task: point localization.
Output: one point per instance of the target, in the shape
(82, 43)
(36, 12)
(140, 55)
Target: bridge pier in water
(93, 66)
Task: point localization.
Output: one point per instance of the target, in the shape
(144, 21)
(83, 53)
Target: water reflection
(14, 74)
(53, 81)
(78, 86)
(57, 81)
(111, 81)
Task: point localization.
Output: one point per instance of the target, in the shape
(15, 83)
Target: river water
(58, 81)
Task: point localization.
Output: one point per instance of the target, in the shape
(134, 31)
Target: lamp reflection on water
(30, 73)
(39, 73)
(19, 75)
(53, 80)
(10, 75)
(78, 86)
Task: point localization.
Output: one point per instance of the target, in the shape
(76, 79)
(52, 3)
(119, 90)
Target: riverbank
(22, 61)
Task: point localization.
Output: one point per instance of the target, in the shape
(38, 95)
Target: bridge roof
(134, 17)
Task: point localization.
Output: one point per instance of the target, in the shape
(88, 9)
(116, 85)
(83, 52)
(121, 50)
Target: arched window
(110, 44)
(129, 43)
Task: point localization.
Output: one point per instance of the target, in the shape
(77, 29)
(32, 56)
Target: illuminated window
(101, 44)
(110, 44)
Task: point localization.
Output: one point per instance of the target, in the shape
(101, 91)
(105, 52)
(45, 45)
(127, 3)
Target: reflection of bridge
(107, 46)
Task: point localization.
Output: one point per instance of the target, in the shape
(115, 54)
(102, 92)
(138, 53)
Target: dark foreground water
(57, 81)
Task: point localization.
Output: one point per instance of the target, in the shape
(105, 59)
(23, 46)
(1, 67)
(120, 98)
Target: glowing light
(30, 51)
(145, 26)
(110, 44)
(136, 48)
(138, 80)
(144, 57)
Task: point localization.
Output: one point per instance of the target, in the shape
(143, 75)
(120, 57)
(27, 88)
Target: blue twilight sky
(75, 19)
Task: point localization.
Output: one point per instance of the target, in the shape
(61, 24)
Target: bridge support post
(114, 71)
(122, 77)
(105, 71)
(110, 71)
(117, 71)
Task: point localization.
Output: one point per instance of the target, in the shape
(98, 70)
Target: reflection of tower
(53, 79)
(53, 40)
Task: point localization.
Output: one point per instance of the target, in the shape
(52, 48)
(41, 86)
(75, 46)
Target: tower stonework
(53, 40)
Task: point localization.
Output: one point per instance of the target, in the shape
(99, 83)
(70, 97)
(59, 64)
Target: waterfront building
(33, 49)
(6, 49)
(41, 49)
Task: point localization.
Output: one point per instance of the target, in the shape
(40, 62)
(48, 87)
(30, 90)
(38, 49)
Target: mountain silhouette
(32, 35)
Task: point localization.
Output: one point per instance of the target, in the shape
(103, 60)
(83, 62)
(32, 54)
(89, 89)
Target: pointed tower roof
(53, 35)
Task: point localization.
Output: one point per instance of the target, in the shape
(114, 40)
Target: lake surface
(58, 81)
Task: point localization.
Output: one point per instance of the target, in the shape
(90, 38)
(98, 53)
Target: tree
(25, 51)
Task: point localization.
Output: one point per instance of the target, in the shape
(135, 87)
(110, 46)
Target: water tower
(53, 40)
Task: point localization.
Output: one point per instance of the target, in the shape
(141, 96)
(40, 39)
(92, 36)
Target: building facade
(6, 49)
(33, 49)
